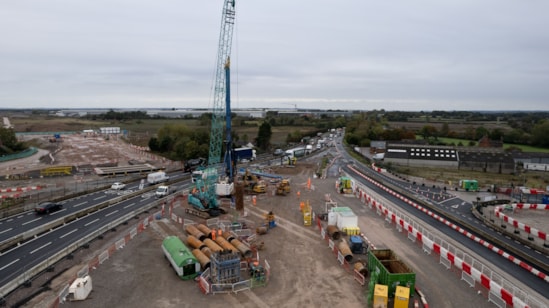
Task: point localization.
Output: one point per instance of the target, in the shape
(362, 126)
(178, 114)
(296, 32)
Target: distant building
(109, 130)
(491, 160)
(486, 142)
(421, 155)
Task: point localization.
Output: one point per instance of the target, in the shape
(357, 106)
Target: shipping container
(385, 268)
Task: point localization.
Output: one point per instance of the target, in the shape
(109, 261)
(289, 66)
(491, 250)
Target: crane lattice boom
(220, 87)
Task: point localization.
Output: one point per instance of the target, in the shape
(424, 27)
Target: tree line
(526, 128)
(179, 142)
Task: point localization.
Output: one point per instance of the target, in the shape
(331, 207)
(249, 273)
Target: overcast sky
(346, 54)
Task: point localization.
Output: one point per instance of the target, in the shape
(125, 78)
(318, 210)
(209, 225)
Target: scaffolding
(225, 267)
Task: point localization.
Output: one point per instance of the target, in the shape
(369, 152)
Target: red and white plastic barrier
(519, 225)
(478, 276)
(19, 189)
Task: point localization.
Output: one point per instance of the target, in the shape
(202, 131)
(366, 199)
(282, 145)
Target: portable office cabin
(469, 185)
(181, 258)
(342, 217)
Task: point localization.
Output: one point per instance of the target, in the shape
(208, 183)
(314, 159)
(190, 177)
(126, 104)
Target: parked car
(278, 152)
(118, 186)
(47, 207)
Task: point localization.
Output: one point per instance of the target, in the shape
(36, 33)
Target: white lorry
(157, 177)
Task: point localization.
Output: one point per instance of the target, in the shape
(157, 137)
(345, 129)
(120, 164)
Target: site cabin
(181, 258)
(469, 185)
(157, 177)
(343, 217)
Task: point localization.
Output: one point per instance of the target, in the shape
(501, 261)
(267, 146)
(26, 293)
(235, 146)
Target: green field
(140, 131)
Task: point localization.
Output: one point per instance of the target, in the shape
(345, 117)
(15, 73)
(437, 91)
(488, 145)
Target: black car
(47, 207)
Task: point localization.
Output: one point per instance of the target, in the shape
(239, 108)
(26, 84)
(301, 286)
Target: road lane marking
(30, 221)
(6, 230)
(62, 236)
(3, 267)
(109, 214)
(91, 222)
(57, 212)
(48, 243)
(127, 206)
(79, 204)
(100, 197)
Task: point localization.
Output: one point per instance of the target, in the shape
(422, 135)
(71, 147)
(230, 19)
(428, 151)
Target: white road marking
(100, 197)
(79, 204)
(109, 214)
(6, 230)
(127, 206)
(3, 267)
(47, 244)
(28, 222)
(91, 222)
(62, 236)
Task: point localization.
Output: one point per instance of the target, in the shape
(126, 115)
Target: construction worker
(219, 232)
(213, 234)
(298, 194)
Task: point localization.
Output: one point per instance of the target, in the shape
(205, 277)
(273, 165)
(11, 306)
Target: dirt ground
(77, 150)
(304, 271)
